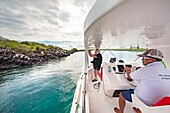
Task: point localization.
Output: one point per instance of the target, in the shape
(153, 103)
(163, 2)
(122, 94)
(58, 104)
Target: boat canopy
(128, 23)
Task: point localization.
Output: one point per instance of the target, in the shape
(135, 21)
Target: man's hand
(89, 51)
(95, 56)
(128, 70)
(92, 55)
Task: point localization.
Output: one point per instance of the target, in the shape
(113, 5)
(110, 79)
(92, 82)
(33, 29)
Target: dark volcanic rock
(12, 59)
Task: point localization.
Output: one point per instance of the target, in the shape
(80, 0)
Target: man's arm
(92, 55)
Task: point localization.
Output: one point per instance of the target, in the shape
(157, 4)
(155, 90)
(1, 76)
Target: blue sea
(48, 87)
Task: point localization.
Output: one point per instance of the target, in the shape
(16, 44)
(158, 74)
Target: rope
(109, 51)
(136, 59)
(163, 63)
(97, 86)
(77, 107)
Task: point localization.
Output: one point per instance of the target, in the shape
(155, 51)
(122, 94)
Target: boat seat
(113, 81)
(148, 109)
(163, 101)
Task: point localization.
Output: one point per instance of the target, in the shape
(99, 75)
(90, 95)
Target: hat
(153, 53)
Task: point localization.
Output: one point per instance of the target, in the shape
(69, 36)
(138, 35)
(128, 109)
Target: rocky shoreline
(10, 59)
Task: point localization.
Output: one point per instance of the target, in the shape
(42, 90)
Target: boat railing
(80, 100)
(76, 104)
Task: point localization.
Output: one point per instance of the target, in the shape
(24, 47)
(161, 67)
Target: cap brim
(141, 55)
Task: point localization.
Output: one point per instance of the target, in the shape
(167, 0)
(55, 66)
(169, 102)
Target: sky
(55, 22)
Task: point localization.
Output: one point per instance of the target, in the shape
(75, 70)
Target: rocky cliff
(12, 59)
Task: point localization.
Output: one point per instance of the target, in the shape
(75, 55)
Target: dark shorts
(96, 67)
(127, 94)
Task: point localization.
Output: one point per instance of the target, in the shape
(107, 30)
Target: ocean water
(47, 87)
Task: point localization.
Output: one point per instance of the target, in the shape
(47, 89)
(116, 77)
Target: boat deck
(100, 100)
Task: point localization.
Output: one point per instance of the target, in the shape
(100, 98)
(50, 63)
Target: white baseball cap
(153, 53)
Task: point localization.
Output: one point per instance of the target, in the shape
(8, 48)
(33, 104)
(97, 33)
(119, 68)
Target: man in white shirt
(154, 81)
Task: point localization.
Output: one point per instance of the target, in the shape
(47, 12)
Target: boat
(120, 23)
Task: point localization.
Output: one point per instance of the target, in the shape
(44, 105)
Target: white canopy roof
(125, 23)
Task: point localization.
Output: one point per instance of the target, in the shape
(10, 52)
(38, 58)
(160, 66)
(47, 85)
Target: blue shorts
(127, 94)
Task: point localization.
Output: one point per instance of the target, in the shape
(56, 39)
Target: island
(14, 54)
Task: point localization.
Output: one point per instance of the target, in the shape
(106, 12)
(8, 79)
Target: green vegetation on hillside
(127, 49)
(26, 46)
(120, 49)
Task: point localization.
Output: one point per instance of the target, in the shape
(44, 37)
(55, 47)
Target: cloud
(39, 20)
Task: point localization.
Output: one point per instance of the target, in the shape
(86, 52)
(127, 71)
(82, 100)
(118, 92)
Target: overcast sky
(44, 20)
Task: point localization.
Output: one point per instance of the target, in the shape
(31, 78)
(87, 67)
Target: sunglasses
(146, 58)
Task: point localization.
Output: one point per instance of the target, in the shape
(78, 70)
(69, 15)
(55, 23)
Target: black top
(98, 60)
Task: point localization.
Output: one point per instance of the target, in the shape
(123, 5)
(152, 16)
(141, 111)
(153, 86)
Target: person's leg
(95, 74)
(122, 104)
(124, 95)
(97, 69)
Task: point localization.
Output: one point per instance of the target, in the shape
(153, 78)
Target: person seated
(154, 81)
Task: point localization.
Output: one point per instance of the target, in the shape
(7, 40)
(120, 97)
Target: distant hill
(29, 46)
(64, 44)
(14, 54)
